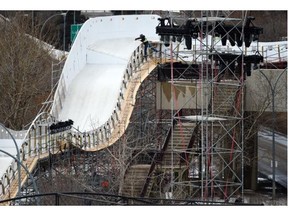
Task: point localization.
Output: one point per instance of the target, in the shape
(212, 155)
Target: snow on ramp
(92, 76)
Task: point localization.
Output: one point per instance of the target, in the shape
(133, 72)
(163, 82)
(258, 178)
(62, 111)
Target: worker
(146, 43)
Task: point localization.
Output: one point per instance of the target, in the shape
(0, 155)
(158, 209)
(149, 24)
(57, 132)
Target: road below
(265, 156)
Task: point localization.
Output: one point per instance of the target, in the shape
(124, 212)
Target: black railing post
(56, 199)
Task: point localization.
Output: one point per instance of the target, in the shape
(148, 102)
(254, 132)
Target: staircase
(135, 179)
(178, 144)
(224, 98)
(136, 176)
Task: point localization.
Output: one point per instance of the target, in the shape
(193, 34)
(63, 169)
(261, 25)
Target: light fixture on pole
(64, 31)
(273, 93)
(64, 26)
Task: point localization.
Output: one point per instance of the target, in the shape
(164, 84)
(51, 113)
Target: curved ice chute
(104, 29)
(115, 48)
(105, 131)
(59, 97)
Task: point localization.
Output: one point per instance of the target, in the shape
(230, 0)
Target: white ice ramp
(91, 79)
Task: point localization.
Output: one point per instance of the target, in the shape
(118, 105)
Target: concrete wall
(258, 93)
(185, 95)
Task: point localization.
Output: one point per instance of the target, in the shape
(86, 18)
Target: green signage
(75, 28)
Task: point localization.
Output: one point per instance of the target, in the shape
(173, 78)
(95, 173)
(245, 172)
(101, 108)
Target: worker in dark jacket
(146, 43)
(142, 38)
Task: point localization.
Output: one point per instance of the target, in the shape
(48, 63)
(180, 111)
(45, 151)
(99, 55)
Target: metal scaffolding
(204, 158)
(185, 138)
(186, 153)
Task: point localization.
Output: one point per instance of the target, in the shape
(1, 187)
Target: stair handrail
(157, 158)
(192, 140)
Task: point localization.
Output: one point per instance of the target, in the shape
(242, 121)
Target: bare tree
(25, 68)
